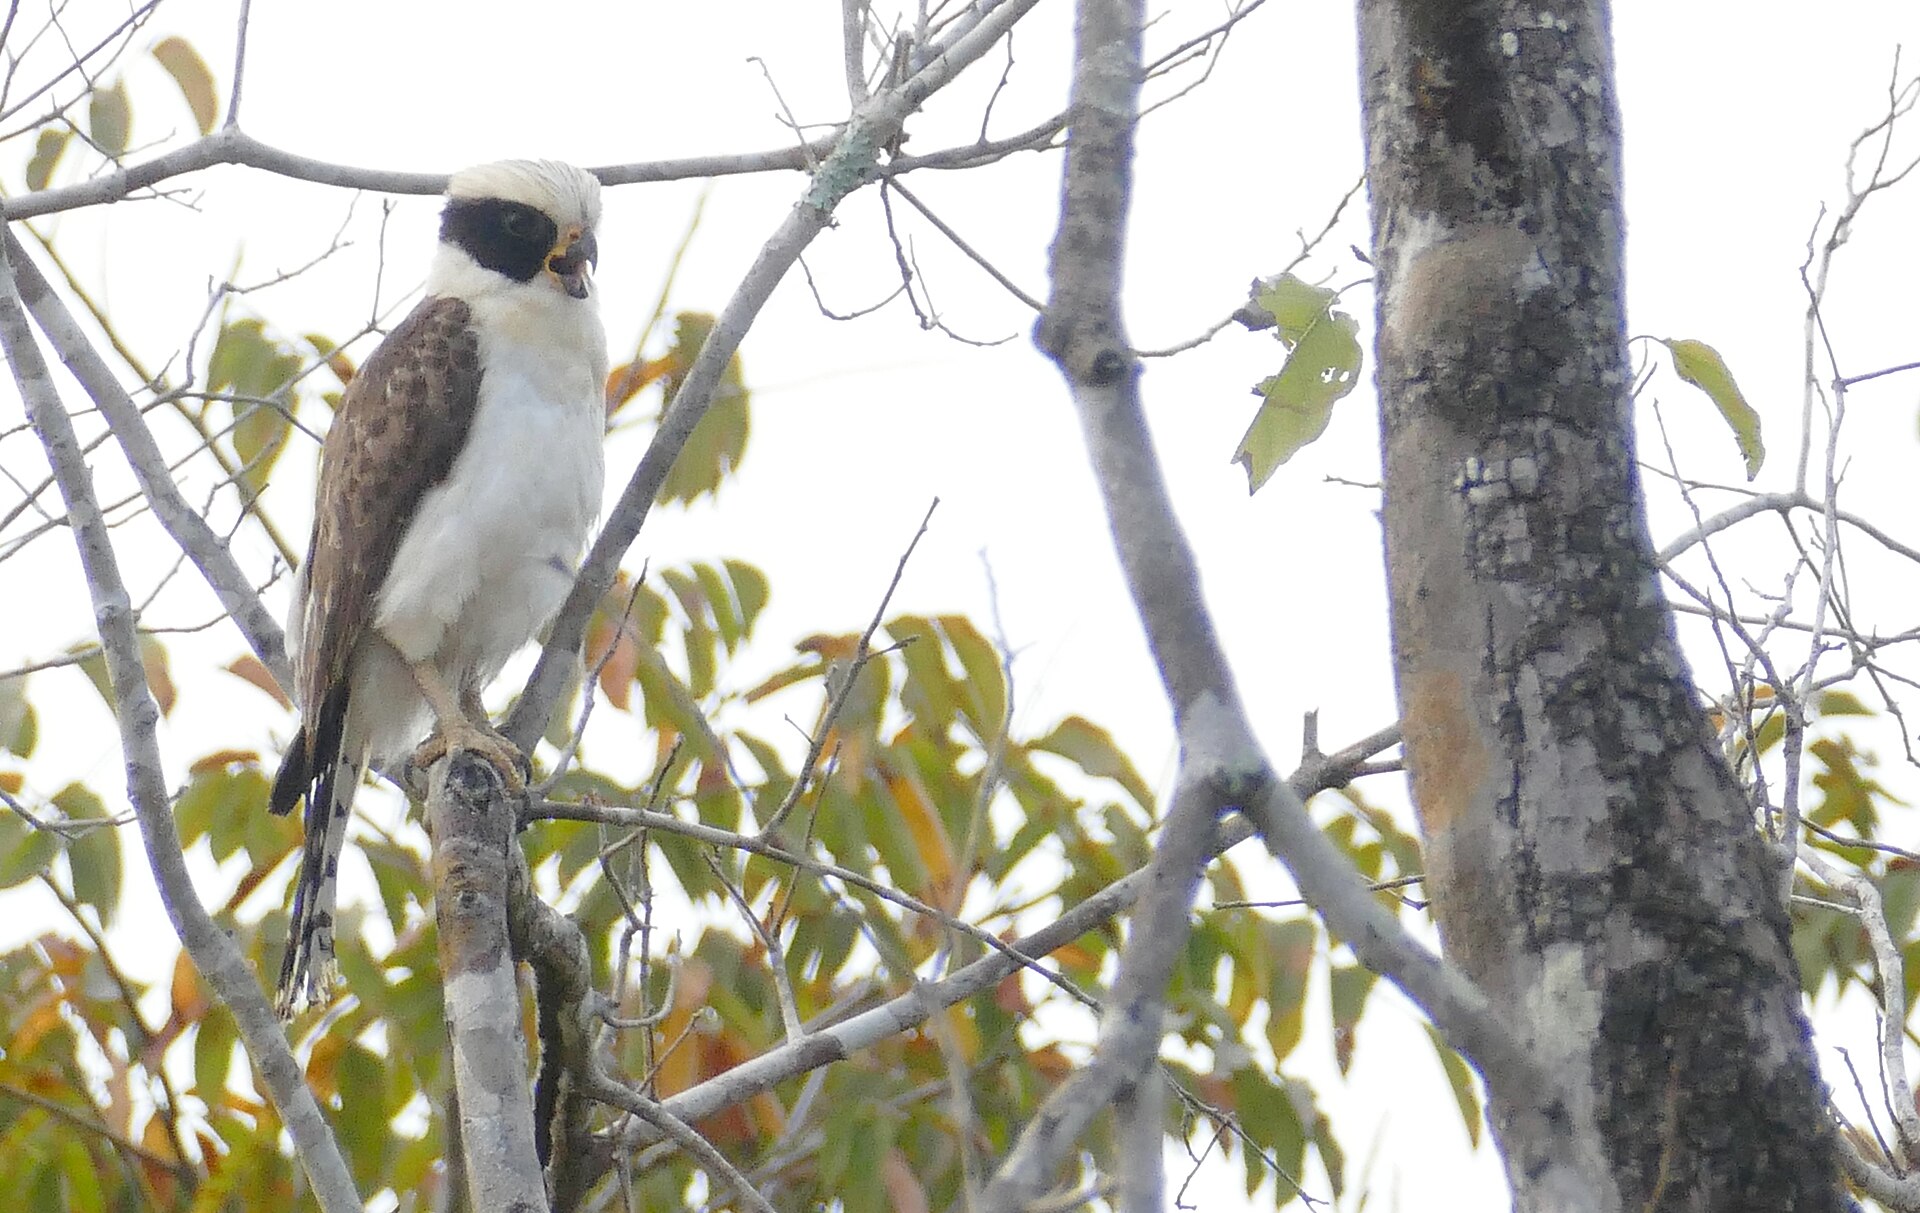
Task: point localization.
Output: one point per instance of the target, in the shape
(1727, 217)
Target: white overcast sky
(1737, 119)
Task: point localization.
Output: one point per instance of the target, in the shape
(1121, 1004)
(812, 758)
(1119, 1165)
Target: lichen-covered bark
(471, 822)
(1593, 864)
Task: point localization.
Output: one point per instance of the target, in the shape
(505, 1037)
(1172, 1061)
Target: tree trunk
(471, 822)
(1593, 864)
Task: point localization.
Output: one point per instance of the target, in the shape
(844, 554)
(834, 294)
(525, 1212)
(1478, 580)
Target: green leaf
(363, 1116)
(1332, 1157)
(213, 1042)
(18, 727)
(1323, 365)
(81, 1179)
(1288, 304)
(259, 435)
(750, 588)
(93, 856)
(248, 362)
(1093, 750)
(1266, 1110)
(189, 72)
(110, 118)
(1348, 992)
(1290, 943)
(719, 595)
(24, 851)
(1701, 365)
(219, 802)
(1460, 1079)
(1831, 703)
(718, 443)
(1848, 791)
(984, 685)
(48, 147)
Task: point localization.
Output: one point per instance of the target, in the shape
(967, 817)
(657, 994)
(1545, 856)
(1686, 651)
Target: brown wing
(403, 422)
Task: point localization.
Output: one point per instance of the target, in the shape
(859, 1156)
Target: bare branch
(853, 37)
(848, 163)
(676, 1130)
(202, 544)
(846, 1037)
(1891, 994)
(214, 953)
(850, 675)
(1222, 764)
(239, 63)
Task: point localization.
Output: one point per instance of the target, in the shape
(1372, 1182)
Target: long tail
(324, 772)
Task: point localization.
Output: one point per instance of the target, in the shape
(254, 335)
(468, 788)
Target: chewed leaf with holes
(1323, 364)
(1701, 365)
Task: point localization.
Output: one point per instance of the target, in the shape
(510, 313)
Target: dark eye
(518, 222)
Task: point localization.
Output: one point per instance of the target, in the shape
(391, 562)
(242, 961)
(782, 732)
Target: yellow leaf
(189, 71)
(47, 147)
(929, 833)
(1701, 365)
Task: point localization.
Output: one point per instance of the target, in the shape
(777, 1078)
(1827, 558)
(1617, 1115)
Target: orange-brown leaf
(1010, 997)
(248, 669)
(929, 834)
(1051, 1064)
(904, 1193)
(629, 379)
(153, 655)
(156, 1140)
(323, 1067)
(190, 1001)
(1077, 959)
(221, 759)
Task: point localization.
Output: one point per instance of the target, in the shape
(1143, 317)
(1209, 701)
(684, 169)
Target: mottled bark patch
(1445, 751)
(1700, 1105)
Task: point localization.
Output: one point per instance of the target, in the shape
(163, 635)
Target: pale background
(1737, 118)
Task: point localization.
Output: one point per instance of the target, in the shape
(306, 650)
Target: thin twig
(850, 674)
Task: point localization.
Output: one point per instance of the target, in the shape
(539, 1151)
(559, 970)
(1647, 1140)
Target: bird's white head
(526, 220)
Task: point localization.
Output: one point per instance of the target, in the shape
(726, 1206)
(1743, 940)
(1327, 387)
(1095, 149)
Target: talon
(487, 742)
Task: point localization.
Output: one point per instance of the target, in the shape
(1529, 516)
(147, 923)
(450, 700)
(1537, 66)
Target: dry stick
(853, 38)
(882, 115)
(177, 399)
(213, 951)
(913, 1008)
(1888, 963)
(231, 145)
(849, 676)
(208, 551)
(1781, 503)
(1222, 763)
(849, 162)
(1083, 331)
(683, 1135)
(790, 1029)
(650, 819)
(239, 62)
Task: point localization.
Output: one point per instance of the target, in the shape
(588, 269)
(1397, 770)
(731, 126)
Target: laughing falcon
(456, 488)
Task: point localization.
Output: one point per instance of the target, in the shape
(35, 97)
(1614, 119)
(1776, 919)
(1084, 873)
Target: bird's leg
(461, 724)
(477, 713)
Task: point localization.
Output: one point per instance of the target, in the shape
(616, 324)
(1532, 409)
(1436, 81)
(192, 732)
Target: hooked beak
(573, 260)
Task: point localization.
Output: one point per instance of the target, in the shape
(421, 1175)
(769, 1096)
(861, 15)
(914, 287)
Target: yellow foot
(484, 740)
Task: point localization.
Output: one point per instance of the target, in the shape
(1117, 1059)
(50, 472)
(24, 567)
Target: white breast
(493, 548)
